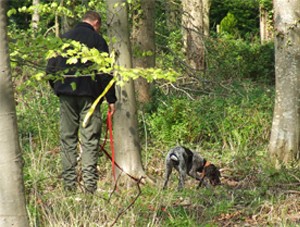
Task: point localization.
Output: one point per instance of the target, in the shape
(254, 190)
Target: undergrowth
(225, 114)
(230, 128)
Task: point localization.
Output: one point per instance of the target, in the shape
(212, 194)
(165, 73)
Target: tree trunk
(195, 23)
(173, 12)
(35, 15)
(12, 196)
(284, 141)
(143, 46)
(67, 23)
(205, 14)
(265, 26)
(127, 147)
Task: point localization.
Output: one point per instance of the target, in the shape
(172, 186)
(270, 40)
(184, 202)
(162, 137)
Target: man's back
(82, 85)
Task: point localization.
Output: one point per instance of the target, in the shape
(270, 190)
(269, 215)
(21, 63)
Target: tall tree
(127, 146)
(35, 14)
(143, 44)
(67, 22)
(285, 136)
(195, 22)
(172, 9)
(265, 21)
(12, 196)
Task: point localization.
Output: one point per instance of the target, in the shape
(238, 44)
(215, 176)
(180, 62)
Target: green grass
(253, 192)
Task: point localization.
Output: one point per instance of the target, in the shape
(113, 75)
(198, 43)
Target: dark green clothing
(85, 85)
(75, 103)
(73, 110)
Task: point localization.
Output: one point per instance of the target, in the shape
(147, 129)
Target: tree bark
(12, 196)
(173, 9)
(195, 23)
(35, 15)
(205, 11)
(127, 146)
(143, 46)
(67, 23)
(265, 25)
(284, 141)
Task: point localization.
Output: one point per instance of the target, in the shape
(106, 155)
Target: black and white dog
(187, 162)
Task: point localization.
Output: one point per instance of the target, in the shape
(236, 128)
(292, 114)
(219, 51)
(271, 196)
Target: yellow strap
(93, 107)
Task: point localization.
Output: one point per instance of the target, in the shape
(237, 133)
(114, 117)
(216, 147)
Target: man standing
(76, 95)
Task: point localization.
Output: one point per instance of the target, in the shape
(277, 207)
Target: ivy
(266, 4)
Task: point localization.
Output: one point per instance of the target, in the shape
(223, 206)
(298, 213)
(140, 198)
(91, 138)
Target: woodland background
(223, 110)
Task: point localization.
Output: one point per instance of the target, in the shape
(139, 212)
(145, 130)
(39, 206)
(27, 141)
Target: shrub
(228, 59)
(228, 25)
(235, 118)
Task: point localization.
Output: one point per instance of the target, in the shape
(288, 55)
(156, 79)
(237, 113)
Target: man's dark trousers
(73, 110)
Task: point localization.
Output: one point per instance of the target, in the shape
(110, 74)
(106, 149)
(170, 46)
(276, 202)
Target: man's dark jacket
(85, 85)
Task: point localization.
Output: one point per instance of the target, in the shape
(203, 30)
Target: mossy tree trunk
(67, 22)
(265, 25)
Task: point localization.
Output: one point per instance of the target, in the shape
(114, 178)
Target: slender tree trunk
(127, 146)
(195, 23)
(205, 12)
(35, 15)
(56, 25)
(173, 9)
(265, 25)
(143, 46)
(284, 141)
(12, 196)
(67, 23)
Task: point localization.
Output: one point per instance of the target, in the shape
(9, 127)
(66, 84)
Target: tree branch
(130, 205)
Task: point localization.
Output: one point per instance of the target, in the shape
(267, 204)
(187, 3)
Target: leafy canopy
(34, 49)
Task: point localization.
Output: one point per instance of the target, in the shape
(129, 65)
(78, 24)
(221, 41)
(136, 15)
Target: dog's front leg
(193, 173)
(201, 181)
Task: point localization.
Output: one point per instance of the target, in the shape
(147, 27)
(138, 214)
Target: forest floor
(254, 197)
(251, 194)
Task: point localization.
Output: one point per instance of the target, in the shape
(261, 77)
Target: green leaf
(11, 12)
(72, 60)
(74, 86)
(39, 76)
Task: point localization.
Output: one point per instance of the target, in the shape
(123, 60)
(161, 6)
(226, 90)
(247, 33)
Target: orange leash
(112, 157)
(111, 140)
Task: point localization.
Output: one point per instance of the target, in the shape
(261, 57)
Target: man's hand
(111, 108)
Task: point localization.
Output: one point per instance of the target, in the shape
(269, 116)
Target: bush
(228, 59)
(38, 115)
(237, 117)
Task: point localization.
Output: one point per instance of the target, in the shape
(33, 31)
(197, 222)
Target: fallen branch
(292, 192)
(131, 204)
(295, 177)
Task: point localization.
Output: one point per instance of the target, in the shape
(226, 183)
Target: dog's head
(213, 174)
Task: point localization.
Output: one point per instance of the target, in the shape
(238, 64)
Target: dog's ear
(201, 168)
(216, 169)
(219, 173)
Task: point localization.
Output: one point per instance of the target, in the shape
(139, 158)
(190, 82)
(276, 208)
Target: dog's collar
(206, 163)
